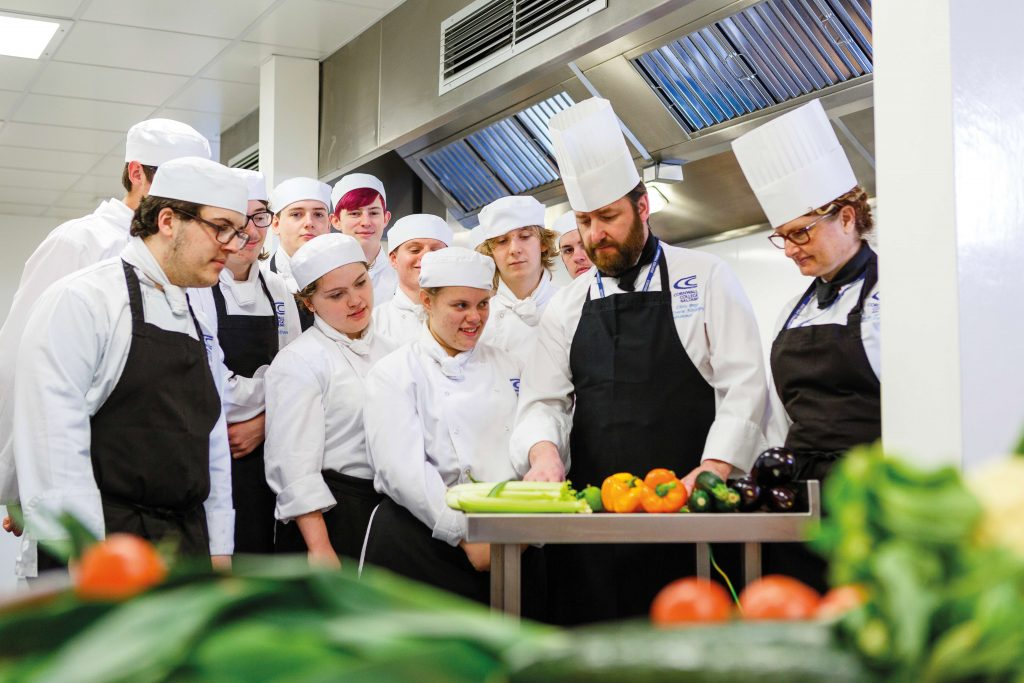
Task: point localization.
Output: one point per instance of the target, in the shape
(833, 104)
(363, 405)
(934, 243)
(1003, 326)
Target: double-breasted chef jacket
(513, 323)
(399, 319)
(384, 278)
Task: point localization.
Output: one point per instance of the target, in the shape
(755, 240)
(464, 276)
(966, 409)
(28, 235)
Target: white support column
(289, 118)
(950, 183)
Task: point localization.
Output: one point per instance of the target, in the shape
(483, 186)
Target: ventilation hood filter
(768, 53)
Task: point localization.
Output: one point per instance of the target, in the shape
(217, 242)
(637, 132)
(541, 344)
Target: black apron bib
(640, 404)
(151, 438)
(305, 315)
(346, 522)
(249, 342)
(825, 381)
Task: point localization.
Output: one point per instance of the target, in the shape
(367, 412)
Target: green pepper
(699, 501)
(592, 495)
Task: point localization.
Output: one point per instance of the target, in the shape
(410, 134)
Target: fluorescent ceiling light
(23, 37)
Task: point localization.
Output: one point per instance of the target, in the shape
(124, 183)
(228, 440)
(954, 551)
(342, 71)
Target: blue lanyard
(647, 282)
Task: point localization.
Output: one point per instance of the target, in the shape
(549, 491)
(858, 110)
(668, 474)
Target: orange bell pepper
(662, 492)
(621, 493)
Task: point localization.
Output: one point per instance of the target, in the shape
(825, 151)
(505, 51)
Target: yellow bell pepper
(621, 493)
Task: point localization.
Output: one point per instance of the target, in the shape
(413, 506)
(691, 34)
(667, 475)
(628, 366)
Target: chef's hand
(244, 437)
(221, 563)
(11, 527)
(545, 463)
(479, 555)
(719, 467)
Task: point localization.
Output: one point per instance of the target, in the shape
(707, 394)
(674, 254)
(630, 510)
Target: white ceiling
(63, 118)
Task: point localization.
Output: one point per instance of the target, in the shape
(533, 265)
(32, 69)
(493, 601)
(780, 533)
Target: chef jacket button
(456, 431)
(501, 314)
(447, 393)
(506, 428)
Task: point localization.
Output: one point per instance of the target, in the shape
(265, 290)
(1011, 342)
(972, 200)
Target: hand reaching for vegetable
(545, 463)
(719, 467)
(244, 437)
(479, 555)
(10, 526)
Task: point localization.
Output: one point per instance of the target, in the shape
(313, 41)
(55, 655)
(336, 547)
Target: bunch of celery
(515, 496)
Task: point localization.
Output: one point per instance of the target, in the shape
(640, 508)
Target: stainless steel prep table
(506, 532)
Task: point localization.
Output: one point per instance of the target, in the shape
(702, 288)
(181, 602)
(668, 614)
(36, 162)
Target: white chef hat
(794, 163)
(419, 226)
(297, 190)
(505, 214)
(356, 181)
(154, 142)
(201, 181)
(593, 159)
(257, 184)
(456, 267)
(322, 254)
(565, 223)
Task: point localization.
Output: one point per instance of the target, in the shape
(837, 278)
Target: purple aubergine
(750, 493)
(775, 466)
(782, 498)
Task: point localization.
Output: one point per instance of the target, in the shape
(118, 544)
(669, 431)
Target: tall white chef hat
(201, 181)
(419, 226)
(505, 214)
(257, 184)
(564, 224)
(322, 254)
(794, 163)
(593, 159)
(456, 267)
(298, 190)
(154, 142)
(357, 181)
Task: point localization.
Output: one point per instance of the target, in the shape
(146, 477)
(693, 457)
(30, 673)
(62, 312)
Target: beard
(181, 267)
(626, 252)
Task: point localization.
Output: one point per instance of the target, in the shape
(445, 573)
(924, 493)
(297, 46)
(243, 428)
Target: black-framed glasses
(222, 233)
(797, 237)
(261, 219)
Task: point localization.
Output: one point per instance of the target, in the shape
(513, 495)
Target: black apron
(305, 315)
(250, 342)
(151, 438)
(831, 394)
(640, 404)
(346, 522)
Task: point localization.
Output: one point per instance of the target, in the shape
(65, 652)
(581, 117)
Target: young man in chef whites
(658, 379)
(118, 419)
(360, 207)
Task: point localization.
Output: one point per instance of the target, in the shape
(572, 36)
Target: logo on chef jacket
(872, 307)
(685, 289)
(279, 309)
(208, 341)
(515, 384)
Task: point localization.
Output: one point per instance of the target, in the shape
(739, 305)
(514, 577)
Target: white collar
(453, 367)
(244, 291)
(283, 263)
(380, 262)
(402, 302)
(360, 347)
(137, 254)
(529, 309)
(117, 212)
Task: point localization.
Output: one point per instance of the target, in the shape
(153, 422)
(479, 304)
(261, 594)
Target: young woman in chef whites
(826, 359)
(570, 245)
(360, 209)
(439, 411)
(511, 232)
(316, 449)
(408, 241)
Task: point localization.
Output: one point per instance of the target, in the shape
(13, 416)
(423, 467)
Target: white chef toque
(322, 254)
(257, 184)
(593, 159)
(298, 190)
(505, 214)
(356, 181)
(565, 223)
(201, 181)
(794, 163)
(419, 226)
(154, 142)
(456, 267)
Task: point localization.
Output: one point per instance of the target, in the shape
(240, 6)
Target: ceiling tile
(105, 83)
(66, 111)
(15, 73)
(109, 165)
(83, 202)
(20, 209)
(49, 8)
(12, 177)
(100, 185)
(46, 159)
(7, 100)
(61, 212)
(242, 62)
(24, 195)
(382, 6)
(206, 123)
(138, 48)
(59, 137)
(222, 19)
(218, 96)
(314, 24)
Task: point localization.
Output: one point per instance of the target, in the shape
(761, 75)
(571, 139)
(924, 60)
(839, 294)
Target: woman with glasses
(253, 315)
(825, 360)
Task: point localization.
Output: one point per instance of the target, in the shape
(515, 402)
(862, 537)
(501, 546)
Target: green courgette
(699, 501)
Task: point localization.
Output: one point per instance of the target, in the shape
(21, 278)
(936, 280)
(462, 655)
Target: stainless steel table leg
(703, 561)
(506, 578)
(497, 577)
(751, 562)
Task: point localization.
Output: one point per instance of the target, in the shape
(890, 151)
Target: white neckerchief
(528, 309)
(403, 303)
(452, 367)
(137, 254)
(244, 292)
(360, 347)
(283, 263)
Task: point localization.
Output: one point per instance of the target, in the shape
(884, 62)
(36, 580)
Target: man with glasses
(118, 419)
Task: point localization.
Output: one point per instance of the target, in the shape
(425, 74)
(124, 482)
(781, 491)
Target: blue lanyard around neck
(647, 282)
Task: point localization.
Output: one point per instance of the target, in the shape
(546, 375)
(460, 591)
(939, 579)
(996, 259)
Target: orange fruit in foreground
(691, 601)
(118, 567)
(841, 600)
(779, 597)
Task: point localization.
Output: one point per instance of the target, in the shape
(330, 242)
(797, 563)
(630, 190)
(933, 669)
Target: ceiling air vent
(510, 156)
(248, 159)
(769, 53)
(488, 32)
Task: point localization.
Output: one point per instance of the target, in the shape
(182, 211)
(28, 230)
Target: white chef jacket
(777, 422)
(283, 263)
(315, 400)
(433, 420)
(384, 278)
(716, 327)
(244, 396)
(71, 246)
(399, 319)
(513, 322)
(71, 358)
